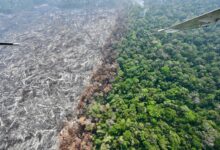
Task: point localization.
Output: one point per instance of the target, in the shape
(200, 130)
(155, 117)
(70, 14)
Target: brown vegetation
(74, 135)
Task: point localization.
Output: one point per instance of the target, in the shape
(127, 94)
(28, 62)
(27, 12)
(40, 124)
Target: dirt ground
(42, 79)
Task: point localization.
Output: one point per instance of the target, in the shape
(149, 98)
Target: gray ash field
(41, 80)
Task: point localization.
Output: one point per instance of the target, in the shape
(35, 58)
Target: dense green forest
(166, 94)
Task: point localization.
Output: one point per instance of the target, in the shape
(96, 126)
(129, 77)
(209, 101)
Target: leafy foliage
(166, 93)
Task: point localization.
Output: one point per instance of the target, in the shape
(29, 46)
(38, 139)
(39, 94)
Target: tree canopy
(166, 93)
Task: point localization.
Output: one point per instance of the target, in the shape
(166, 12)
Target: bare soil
(42, 81)
(74, 135)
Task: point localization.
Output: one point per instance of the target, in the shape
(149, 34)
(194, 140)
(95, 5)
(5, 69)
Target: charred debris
(74, 134)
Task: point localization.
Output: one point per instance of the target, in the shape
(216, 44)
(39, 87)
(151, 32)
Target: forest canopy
(166, 94)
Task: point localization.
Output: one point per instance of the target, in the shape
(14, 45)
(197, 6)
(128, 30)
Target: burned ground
(42, 80)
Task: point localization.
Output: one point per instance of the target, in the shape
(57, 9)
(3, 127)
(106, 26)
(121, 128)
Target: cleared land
(41, 80)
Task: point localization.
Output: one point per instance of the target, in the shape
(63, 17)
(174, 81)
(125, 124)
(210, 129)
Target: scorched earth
(42, 79)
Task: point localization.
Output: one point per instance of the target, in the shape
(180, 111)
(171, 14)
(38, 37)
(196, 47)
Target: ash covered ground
(41, 80)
